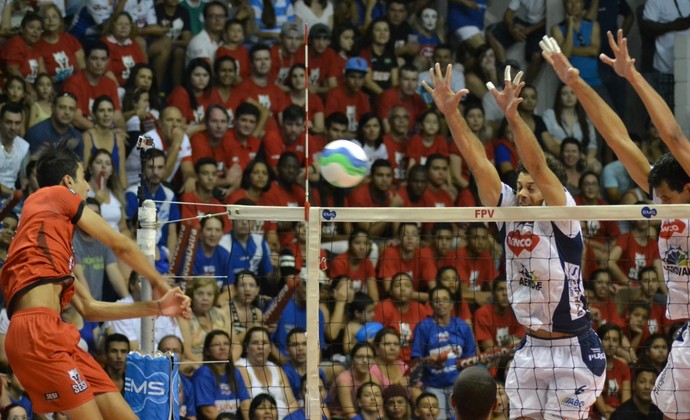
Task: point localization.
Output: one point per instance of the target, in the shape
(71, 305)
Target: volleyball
(343, 163)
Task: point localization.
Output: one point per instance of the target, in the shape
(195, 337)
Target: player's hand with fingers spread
(509, 99)
(553, 55)
(621, 62)
(175, 303)
(446, 100)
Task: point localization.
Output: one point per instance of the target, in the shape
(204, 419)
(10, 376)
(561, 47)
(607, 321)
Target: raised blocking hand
(446, 100)
(509, 99)
(621, 62)
(553, 55)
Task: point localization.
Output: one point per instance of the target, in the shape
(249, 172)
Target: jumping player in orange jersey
(37, 282)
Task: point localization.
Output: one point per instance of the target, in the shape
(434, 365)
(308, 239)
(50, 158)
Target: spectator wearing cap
(286, 53)
(323, 61)
(349, 98)
(404, 94)
(396, 403)
(206, 42)
(262, 89)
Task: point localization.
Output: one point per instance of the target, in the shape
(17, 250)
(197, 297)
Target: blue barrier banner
(152, 386)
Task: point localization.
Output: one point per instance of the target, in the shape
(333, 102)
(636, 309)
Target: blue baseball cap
(356, 64)
(368, 331)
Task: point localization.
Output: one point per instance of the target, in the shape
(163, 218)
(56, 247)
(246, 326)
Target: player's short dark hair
(245, 108)
(496, 283)
(204, 161)
(294, 331)
(667, 169)
(640, 370)
(293, 113)
(215, 107)
(116, 338)
(336, 118)
(95, 46)
(440, 288)
(441, 226)
(54, 163)
(474, 393)
(553, 164)
(13, 107)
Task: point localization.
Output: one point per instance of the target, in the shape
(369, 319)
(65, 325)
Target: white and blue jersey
(255, 256)
(294, 316)
(544, 273)
(218, 264)
(455, 339)
(208, 392)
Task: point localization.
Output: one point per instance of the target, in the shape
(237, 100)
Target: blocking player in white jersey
(669, 182)
(559, 368)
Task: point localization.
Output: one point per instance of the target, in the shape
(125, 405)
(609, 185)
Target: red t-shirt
(274, 146)
(353, 106)
(60, 58)
(608, 314)
(194, 206)
(79, 86)
(241, 57)
(278, 196)
(280, 64)
(477, 271)
(397, 157)
(16, 52)
(270, 96)
(201, 148)
(361, 197)
(240, 153)
(614, 382)
(41, 250)
(417, 150)
(123, 56)
(636, 256)
(420, 267)
(324, 66)
(387, 313)
(489, 325)
(341, 266)
(180, 98)
(393, 97)
(315, 105)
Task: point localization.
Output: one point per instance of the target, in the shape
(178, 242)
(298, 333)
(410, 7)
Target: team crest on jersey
(529, 279)
(79, 384)
(670, 228)
(676, 261)
(518, 241)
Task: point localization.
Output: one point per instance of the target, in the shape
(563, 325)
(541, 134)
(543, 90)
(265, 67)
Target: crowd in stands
(219, 88)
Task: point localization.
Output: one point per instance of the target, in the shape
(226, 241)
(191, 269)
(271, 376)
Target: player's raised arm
(530, 152)
(658, 109)
(472, 149)
(602, 116)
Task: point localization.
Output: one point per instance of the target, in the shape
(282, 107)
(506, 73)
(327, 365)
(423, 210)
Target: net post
(312, 396)
(146, 241)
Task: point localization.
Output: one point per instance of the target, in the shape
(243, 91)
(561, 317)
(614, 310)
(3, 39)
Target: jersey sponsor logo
(518, 242)
(670, 228)
(50, 396)
(596, 355)
(573, 402)
(79, 384)
(676, 261)
(529, 279)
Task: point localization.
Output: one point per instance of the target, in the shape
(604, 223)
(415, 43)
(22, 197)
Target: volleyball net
(373, 250)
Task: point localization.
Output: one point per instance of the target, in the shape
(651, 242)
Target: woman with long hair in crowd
(370, 137)
(125, 52)
(244, 312)
(195, 95)
(388, 368)
(343, 393)
(296, 81)
(42, 108)
(344, 43)
(219, 387)
(106, 188)
(263, 407)
(261, 375)
(225, 69)
(103, 136)
(15, 91)
(256, 180)
(381, 58)
(570, 155)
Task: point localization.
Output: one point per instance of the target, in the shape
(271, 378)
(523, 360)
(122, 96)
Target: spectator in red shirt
(601, 303)
(225, 70)
(90, 83)
(429, 141)
(370, 137)
(296, 82)
(356, 265)
(125, 52)
(495, 324)
(438, 173)
(349, 98)
(634, 250)
(257, 178)
(414, 193)
(286, 53)
(377, 193)
(290, 137)
(195, 95)
(408, 257)
(233, 39)
(617, 388)
(649, 286)
(62, 53)
(285, 192)
(447, 276)
(401, 313)
(19, 55)
(405, 94)
(244, 145)
(478, 262)
(202, 201)
(324, 63)
(396, 140)
(214, 143)
(261, 88)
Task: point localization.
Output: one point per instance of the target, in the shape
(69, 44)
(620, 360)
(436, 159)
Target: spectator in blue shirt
(211, 259)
